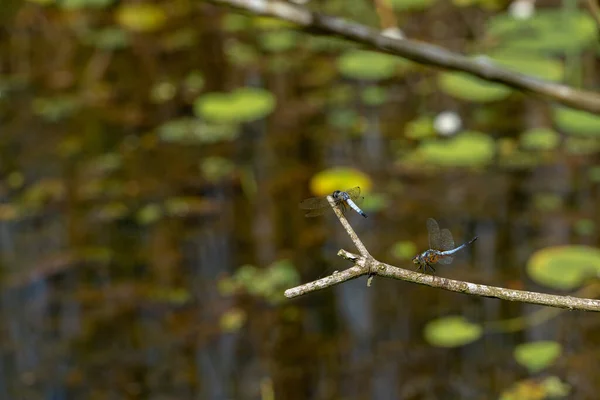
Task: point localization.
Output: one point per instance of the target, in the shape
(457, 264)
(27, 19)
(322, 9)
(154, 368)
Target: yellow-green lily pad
(368, 65)
(529, 64)
(470, 88)
(339, 178)
(536, 356)
(404, 250)
(549, 31)
(540, 139)
(452, 332)
(564, 267)
(411, 5)
(464, 150)
(242, 105)
(141, 17)
(577, 122)
(534, 389)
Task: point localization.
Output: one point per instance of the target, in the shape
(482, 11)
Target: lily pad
(374, 95)
(577, 122)
(564, 267)
(464, 150)
(536, 356)
(420, 128)
(540, 139)
(278, 41)
(368, 65)
(81, 4)
(538, 66)
(187, 130)
(404, 250)
(549, 31)
(582, 145)
(466, 87)
(242, 105)
(141, 17)
(452, 332)
(411, 5)
(339, 178)
(534, 389)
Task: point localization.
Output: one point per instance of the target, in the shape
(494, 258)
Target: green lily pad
(141, 17)
(534, 389)
(233, 320)
(404, 250)
(420, 128)
(214, 169)
(374, 96)
(464, 150)
(564, 267)
(278, 41)
(470, 88)
(594, 174)
(339, 178)
(582, 145)
(577, 122)
(538, 66)
(540, 139)
(536, 356)
(411, 5)
(548, 31)
(80, 4)
(584, 226)
(452, 332)
(368, 65)
(190, 131)
(242, 105)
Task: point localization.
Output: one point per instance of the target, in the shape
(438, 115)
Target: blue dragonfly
(441, 247)
(318, 205)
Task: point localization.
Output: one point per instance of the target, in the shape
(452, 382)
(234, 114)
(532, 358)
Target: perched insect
(342, 199)
(441, 247)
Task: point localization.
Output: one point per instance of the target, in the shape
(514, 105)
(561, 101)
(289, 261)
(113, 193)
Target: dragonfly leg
(431, 266)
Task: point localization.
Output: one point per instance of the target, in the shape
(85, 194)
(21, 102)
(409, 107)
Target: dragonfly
(441, 247)
(318, 205)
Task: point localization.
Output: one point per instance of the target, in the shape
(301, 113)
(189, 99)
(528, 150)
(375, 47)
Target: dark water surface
(114, 244)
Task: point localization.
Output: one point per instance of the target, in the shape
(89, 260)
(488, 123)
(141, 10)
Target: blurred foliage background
(152, 157)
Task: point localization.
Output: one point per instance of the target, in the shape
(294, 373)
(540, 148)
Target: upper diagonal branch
(418, 51)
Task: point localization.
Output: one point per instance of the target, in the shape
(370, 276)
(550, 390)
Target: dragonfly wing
(445, 260)
(446, 240)
(314, 203)
(434, 233)
(316, 212)
(354, 193)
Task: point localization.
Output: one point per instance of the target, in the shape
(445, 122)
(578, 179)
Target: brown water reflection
(114, 244)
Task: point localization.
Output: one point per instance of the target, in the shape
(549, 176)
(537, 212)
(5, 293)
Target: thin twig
(357, 242)
(420, 52)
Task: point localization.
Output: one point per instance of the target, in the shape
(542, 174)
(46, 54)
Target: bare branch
(363, 265)
(420, 52)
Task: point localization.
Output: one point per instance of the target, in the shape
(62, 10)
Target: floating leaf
(540, 139)
(411, 5)
(161, 92)
(110, 38)
(404, 250)
(550, 31)
(278, 41)
(338, 178)
(80, 4)
(149, 214)
(242, 105)
(564, 267)
(452, 332)
(420, 128)
(585, 226)
(233, 320)
(374, 96)
(536, 356)
(470, 88)
(195, 131)
(539, 66)
(547, 202)
(141, 17)
(55, 108)
(368, 65)
(534, 389)
(594, 174)
(464, 150)
(577, 122)
(215, 169)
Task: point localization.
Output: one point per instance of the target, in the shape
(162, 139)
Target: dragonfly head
(417, 259)
(336, 194)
